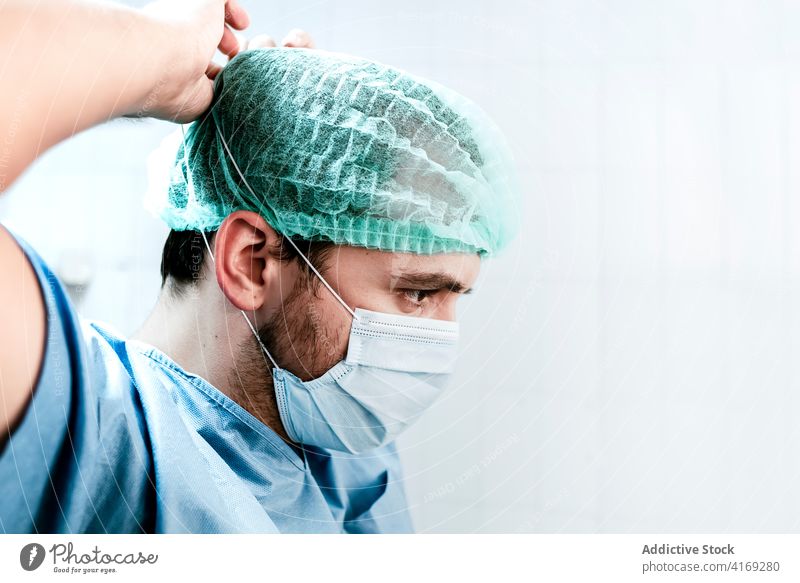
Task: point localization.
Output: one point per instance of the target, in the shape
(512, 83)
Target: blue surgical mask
(395, 368)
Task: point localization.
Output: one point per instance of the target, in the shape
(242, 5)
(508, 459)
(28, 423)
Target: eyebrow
(431, 281)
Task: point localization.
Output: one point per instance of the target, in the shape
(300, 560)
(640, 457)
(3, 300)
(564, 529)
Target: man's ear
(247, 271)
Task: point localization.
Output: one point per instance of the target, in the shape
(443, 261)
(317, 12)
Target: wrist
(159, 62)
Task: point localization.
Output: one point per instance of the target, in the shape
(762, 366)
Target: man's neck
(207, 341)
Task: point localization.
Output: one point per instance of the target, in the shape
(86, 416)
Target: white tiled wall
(629, 364)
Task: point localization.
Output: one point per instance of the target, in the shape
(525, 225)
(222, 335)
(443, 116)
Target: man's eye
(417, 296)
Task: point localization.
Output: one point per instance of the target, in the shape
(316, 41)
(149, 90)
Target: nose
(446, 310)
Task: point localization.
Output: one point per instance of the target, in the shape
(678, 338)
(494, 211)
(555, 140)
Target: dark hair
(185, 251)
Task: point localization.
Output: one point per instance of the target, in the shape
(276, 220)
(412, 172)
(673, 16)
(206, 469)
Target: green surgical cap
(337, 148)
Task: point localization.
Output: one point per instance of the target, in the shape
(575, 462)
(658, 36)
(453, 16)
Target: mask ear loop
(246, 319)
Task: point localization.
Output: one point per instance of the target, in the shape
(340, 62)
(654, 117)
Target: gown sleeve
(78, 459)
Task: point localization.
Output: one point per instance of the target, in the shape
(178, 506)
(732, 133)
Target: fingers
(213, 70)
(229, 44)
(296, 38)
(261, 41)
(235, 16)
(299, 39)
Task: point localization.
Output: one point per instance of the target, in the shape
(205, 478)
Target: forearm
(66, 65)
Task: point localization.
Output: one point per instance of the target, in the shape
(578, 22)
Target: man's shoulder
(118, 364)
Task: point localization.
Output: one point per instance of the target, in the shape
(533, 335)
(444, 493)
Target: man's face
(310, 333)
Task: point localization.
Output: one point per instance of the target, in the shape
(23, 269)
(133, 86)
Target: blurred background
(630, 363)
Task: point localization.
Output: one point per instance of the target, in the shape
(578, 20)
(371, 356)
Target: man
(327, 213)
